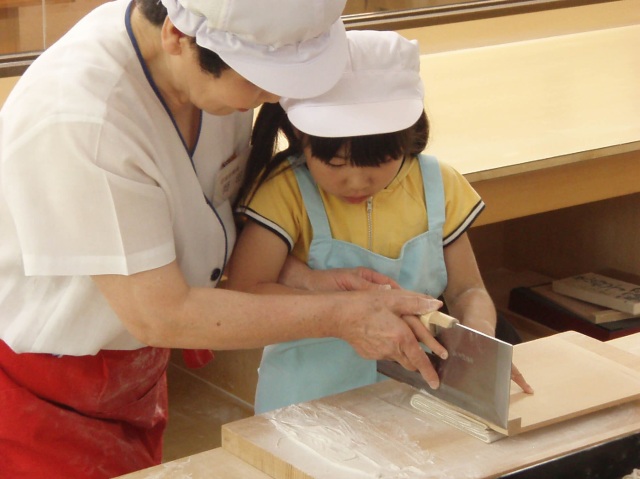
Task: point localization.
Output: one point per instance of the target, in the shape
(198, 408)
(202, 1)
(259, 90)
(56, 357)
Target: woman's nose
(267, 97)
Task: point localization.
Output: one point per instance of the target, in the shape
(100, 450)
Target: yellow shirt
(398, 212)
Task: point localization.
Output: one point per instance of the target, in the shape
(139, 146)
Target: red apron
(81, 417)
(197, 358)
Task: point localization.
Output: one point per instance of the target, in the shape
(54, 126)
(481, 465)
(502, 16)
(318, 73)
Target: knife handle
(437, 319)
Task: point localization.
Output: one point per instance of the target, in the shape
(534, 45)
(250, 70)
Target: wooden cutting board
(586, 393)
(213, 464)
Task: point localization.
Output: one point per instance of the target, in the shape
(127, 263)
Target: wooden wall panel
(604, 234)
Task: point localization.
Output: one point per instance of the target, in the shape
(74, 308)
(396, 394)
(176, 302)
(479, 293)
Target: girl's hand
(296, 274)
(519, 379)
(349, 279)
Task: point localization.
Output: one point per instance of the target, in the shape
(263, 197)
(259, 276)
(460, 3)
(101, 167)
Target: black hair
(155, 12)
(366, 150)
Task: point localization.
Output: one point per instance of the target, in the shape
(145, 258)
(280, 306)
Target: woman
(121, 150)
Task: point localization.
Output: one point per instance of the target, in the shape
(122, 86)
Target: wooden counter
(628, 343)
(523, 120)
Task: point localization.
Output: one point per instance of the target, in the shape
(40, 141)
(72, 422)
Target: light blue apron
(308, 369)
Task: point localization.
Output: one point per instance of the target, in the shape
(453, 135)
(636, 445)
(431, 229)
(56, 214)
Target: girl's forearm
(474, 308)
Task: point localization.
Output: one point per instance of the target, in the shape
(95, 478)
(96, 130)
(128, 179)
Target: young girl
(352, 189)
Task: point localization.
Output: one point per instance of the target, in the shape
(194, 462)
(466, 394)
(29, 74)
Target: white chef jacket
(95, 179)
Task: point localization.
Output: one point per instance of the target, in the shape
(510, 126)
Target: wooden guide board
(586, 393)
(572, 374)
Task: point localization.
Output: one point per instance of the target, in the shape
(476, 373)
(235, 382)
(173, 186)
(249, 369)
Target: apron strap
(433, 191)
(312, 200)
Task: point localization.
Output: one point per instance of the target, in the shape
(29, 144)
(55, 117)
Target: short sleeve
(84, 201)
(277, 205)
(462, 204)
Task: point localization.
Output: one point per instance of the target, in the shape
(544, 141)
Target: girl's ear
(171, 38)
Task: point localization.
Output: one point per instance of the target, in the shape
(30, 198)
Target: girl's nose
(357, 179)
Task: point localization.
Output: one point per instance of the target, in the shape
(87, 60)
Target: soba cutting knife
(476, 377)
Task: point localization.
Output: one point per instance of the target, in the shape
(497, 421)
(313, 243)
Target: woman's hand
(366, 323)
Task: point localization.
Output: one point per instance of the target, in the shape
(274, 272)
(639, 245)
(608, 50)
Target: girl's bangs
(370, 150)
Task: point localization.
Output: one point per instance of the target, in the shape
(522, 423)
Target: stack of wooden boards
(603, 305)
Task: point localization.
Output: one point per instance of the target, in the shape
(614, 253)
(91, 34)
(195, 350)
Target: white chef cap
(294, 48)
(379, 92)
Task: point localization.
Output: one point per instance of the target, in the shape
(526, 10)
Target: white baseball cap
(380, 90)
(294, 48)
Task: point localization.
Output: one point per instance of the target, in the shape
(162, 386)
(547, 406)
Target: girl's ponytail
(264, 146)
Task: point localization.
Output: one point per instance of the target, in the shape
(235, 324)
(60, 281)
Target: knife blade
(476, 377)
